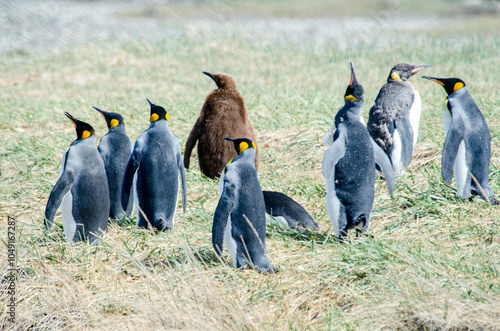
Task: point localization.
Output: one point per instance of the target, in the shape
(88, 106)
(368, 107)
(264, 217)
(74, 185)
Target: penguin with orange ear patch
(224, 114)
(240, 217)
(153, 171)
(467, 148)
(81, 190)
(115, 149)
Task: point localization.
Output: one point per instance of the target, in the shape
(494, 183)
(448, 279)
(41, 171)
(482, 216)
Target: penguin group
(115, 178)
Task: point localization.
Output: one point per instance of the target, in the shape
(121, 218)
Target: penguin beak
(434, 79)
(230, 139)
(74, 120)
(103, 113)
(353, 75)
(418, 68)
(214, 78)
(150, 103)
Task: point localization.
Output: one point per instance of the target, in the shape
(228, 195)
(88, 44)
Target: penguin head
(354, 91)
(241, 144)
(223, 81)
(451, 85)
(83, 130)
(402, 71)
(112, 119)
(157, 113)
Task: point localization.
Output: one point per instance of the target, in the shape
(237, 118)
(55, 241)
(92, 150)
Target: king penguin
(349, 166)
(240, 216)
(467, 147)
(81, 190)
(283, 210)
(156, 161)
(223, 114)
(394, 118)
(115, 149)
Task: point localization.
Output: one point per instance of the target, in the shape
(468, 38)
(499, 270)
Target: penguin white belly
(415, 111)
(333, 209)
(69, 224)
(229, 240)
(397, 162)
(445, 113)
(279, 221)
(462, 173)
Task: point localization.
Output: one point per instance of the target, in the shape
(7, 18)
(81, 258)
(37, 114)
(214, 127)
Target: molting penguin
(349, 166)
(156, 161)
(115, 149)
(394, 118)
(240, 217)
(81, 190)
(284, 210)
(224, 114)
(467, 148)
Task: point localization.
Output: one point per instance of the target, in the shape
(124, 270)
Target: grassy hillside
(432, 261)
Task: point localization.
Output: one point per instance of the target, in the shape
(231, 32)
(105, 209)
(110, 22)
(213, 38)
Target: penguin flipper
(128, 176)
(222, 213)
(191, 141)
(385, 164)
(406, 135)
(62, 187)
(335, 152)
(450, 149)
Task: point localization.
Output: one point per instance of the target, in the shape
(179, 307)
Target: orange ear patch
(86, 134)
(154, 117)
(114, 122)
(457, 86)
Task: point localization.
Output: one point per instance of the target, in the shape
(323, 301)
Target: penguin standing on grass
(240, 217)
(467, 148)
(81, 190)
(115, 149)
(156, 161)
(394, 118)
(224, 114)
(349, 166)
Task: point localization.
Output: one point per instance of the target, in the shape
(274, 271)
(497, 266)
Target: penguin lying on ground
(115, 149)
(157, 162)
(224, 114)
(283, 210)
(81, 190)
(467, 148)
(394, 118)
(349, 166)
(240, 217)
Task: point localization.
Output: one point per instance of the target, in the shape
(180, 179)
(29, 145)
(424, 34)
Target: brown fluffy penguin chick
(224, 114)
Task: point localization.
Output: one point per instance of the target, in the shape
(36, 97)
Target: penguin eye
(395, 75)
(154, 117)
(114, 122)
(457, 86)
(85, 134)
(167, 117)
(243, 146)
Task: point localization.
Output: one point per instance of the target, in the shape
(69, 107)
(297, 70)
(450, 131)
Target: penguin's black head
(403, 71)
(241, 144)
(83, 130)
(354, 91)
(112, 119)
(157, 113)
(223, 81)
(451, 85)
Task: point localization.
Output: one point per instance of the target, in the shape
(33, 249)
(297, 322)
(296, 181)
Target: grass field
(432, 262)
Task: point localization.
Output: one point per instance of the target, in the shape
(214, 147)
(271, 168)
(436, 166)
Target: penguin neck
(459, 92)
(82, 142)
(247, 156)
(118, 128)
(350, 112)
(160, 124)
